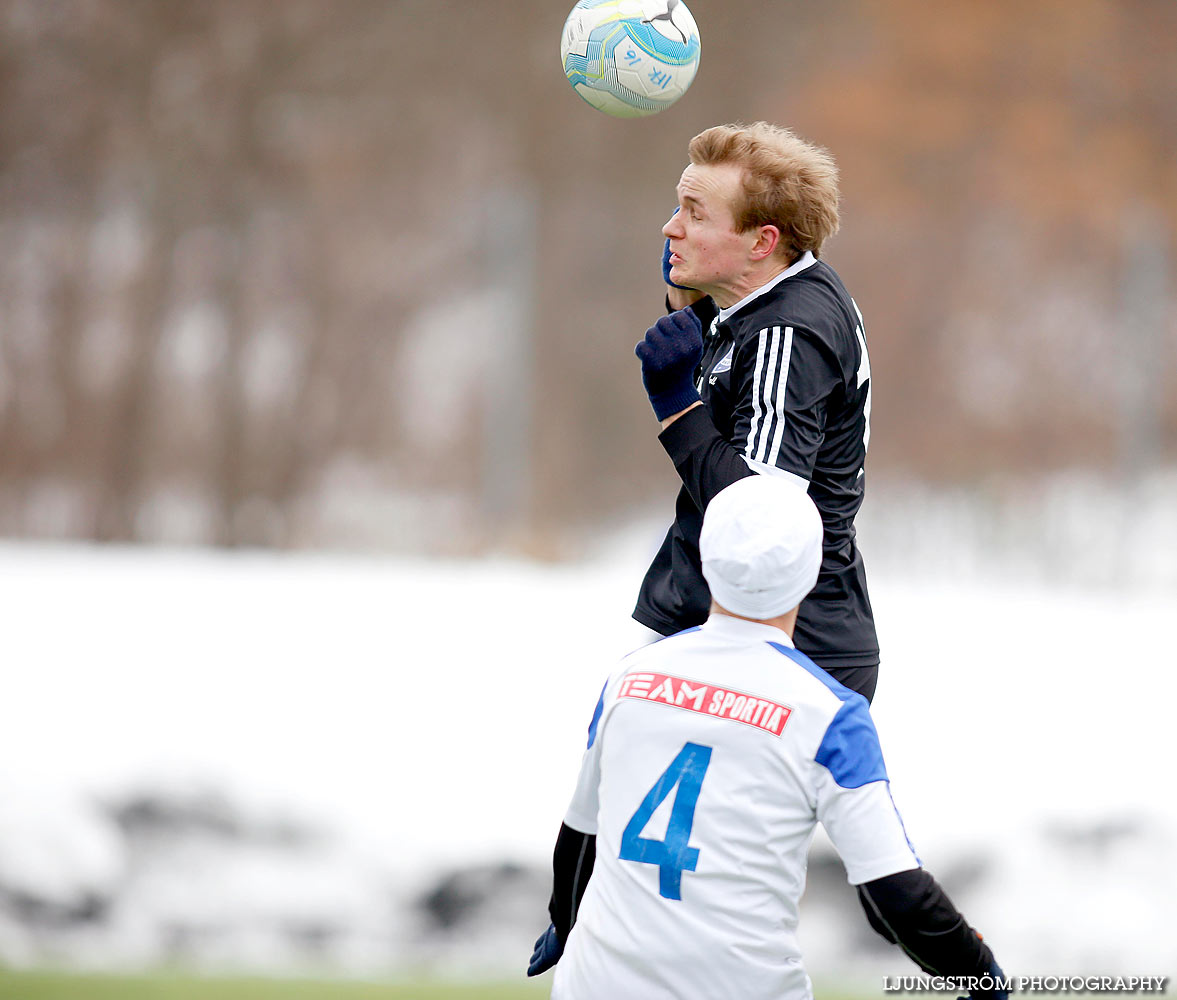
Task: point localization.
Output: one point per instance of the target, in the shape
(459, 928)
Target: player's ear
(768, 238)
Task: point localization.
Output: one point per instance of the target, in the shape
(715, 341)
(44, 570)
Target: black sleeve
(572, 866)
(911, 910)
(705, 462)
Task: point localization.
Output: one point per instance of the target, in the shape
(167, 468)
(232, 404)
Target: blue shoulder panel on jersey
(850, 749)
(596, 716)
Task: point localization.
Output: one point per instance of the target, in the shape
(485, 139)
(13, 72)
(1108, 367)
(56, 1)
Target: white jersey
(712, 756)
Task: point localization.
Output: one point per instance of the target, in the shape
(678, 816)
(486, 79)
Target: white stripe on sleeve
(769, 377)
(757, 374)
(768, 395)
(779, 409)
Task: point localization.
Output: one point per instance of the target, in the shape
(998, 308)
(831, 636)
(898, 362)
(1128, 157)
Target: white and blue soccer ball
(630, 58)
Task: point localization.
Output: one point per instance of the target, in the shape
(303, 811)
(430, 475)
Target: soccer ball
(630, 58)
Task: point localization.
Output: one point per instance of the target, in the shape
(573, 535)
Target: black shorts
(860, 679)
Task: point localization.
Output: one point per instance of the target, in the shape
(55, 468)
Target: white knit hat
(761, 546)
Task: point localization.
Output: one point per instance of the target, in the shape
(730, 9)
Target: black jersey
(785, 380)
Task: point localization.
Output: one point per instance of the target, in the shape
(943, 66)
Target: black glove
(548, 950)
(666, 263)
(670, 354)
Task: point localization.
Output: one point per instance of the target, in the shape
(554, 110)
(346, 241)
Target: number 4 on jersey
(673, 856)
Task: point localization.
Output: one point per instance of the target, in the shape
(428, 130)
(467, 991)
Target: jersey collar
(741, 628)
(806, 260)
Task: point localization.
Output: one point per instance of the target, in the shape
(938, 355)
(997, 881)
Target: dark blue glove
(666, 264)
(548, 950)
(670, 354)
(996, 994)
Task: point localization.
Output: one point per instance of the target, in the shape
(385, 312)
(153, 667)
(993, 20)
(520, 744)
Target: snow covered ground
(372, 723)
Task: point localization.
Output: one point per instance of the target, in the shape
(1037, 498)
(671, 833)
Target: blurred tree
(370, 273)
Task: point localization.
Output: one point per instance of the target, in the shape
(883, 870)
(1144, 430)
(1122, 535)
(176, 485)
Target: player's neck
(749, 283)
(786, 622)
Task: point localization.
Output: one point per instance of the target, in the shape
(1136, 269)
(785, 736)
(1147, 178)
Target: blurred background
(321, 433)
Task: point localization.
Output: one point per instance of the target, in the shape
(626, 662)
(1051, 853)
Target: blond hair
(787, 182)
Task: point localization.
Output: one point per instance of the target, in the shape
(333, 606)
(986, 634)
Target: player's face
(706, 252)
